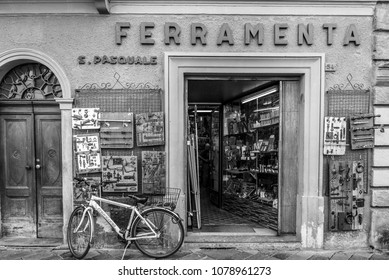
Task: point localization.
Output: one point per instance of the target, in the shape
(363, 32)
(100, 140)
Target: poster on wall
(120, 174)
(87, 149)
(150, 129)
(116, 130)
(154, 172)
(85, 118)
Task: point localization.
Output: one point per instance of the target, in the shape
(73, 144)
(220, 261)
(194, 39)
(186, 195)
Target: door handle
(28, 167)
(37, 166)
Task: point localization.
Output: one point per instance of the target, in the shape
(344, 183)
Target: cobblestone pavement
(61, 253)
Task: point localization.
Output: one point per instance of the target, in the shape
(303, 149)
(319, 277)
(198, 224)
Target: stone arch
(12, 58)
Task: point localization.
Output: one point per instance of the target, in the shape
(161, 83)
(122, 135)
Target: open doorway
(234, 128)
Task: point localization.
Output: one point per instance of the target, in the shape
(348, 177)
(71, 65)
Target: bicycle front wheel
(169, 227)
(79, 232)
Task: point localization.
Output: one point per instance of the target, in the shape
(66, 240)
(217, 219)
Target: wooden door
(17, 186)
(48, 175)
(31, 171)
(290, 149)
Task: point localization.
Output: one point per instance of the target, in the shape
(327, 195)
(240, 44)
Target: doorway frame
(11, 58)
(310, 68)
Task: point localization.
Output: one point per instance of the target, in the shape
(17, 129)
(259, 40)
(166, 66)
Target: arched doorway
(30, 150)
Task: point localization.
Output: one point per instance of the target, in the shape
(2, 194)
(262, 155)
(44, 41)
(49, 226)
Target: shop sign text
(253, 33)
(112, 59)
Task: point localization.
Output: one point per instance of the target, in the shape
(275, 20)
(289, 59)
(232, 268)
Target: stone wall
(379, 232)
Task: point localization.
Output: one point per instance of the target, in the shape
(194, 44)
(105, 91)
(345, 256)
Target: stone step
(240, 241)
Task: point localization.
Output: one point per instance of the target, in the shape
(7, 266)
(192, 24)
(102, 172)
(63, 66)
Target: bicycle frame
(93, 205)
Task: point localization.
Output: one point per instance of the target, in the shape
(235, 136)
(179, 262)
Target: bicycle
(156, 231)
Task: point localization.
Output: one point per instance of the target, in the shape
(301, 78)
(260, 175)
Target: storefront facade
(324, 47)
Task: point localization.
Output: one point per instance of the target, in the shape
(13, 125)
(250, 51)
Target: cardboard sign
(335, 136)
(85, 118)
(150, 129)
(154, 172)
(88, 162)
(87, 143)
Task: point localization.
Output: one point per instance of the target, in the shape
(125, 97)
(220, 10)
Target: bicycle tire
(171, 233)
(79, 242)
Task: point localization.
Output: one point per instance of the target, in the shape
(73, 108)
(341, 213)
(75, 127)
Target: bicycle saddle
(141, 200)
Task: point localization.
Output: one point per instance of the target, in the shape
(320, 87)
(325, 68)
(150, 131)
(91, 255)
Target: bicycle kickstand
(125, 249)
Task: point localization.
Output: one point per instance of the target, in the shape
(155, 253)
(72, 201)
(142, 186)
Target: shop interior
(233, 130)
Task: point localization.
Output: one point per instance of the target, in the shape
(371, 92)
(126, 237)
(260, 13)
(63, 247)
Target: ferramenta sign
(253, 34)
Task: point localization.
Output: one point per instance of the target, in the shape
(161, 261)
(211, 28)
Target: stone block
(380, 198)
(381, 95)
(384, 112)
(381, 46)
(380, 177)
(379, 233)
(381, 138)
(381, 157)
(382, 16)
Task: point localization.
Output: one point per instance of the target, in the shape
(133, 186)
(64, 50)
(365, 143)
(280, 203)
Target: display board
(116, 130)
(154, 172)
(121, 172)
(87, 149)
(346, 195)
(85, 118)
(150, 129)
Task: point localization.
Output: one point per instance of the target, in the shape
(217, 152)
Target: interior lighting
(267, 109)
(260, 94)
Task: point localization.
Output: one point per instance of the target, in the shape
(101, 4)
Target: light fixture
(204, 111)
(260, 94)
(267, 109)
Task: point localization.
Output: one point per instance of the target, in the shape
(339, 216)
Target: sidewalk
(62, 253)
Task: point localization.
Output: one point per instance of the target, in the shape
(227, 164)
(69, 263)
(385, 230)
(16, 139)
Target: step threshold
(240, 240)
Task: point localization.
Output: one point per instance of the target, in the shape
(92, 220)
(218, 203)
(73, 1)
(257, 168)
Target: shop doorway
(244, 133)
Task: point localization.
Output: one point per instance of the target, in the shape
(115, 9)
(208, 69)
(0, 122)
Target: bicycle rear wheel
(79, 241)
(164, 222)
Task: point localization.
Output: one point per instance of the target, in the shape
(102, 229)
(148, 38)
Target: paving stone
(283, 255)
(322, 255)
(261, 256)
(52, 257)
(196, 256)
(178, 255)
(376, 256)
(301, 255)
(222, 254)
(341, 256)
(360, 257)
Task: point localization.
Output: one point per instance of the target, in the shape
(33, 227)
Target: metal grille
(122, 100)
(343, 103)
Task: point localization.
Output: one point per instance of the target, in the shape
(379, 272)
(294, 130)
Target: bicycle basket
(169, 200)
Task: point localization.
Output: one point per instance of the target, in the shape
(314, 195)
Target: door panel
(49, 175)
(17, 178)
(289, 156)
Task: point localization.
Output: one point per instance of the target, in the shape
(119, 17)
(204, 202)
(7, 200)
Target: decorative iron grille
(30, 81)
